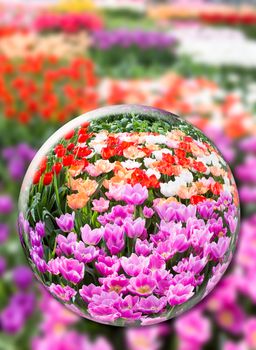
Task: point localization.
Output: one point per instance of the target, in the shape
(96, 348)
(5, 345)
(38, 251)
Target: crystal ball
(129, 215)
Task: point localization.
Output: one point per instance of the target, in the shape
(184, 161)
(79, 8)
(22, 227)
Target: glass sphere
(129, 215)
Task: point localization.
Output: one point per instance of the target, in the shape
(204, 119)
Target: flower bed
(130, 218)
(60, 45)
(125, 53)
(40, 84)
(70, 23)
(196, 42)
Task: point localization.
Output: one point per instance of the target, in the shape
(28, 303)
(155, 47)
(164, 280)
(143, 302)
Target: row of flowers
(61, 45)
(130, 53)
(84, 15)
(126, 52)
(207, 13)
(67, 22)
(40, 83)
(232, 47)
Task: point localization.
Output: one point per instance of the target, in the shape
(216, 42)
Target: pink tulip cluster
(69, 23)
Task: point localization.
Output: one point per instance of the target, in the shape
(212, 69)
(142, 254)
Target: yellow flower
(75, 5)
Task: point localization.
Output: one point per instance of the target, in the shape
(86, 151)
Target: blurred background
(59, 59)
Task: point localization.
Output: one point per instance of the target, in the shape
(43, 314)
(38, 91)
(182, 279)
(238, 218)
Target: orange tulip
(77, 200)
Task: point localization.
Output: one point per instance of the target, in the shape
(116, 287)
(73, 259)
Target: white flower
(98, 142)
(168, 189)
(98, 147)
(101, 136)
(156, 139)
(231, 47)
(171, 188)
(138, 5)
(130, 164)
(186, 176)
(211, 159)
(150, 172)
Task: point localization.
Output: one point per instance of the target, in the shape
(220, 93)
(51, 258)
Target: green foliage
(132, 62)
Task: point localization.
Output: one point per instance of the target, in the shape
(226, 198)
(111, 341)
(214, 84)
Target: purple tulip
(67, 244)
(143, 247)
(2, 266)
(117, 215)
(247, 194)
(152, 304)
(23, 225)
(165, 250)
(194, 328)
(40, 229)
(232, 222)
(24, 302)
(53, 265)
(22, 277)
(38, 261)
(35, 239)
(128, 307)
(105, 40)
(175, 211)
(72, 270)
(148, 212)
(142, 285)
(156, 263)
(64, 293)
(206, 209)
(107, 265)
(91, 237)
(85, 254)
(135, 195)
(116, 283)
(12, 320)
(14, 316)
(103, 307)
(25, 151)
(16, 168)
(6, 204)
(134, 228)
(134, 265)
(114, 237)
(179, 294)
(87, 292)
(192, 264)
(4, 233)
(66, 222)
(8, 152)
(219, 249)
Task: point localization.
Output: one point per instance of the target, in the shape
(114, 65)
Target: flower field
(61, 60)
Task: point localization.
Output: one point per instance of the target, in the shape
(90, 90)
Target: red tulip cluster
(230, 18)
(47, 88)
(71, 156)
